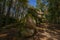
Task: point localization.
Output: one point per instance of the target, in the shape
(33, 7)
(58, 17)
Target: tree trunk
(9, 7)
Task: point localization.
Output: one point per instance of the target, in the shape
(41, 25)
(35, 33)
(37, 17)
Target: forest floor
(47, 34)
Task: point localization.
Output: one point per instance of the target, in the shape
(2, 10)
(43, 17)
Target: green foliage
(40, 4)
(6, 21)
(34, 15)
(54, 11)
